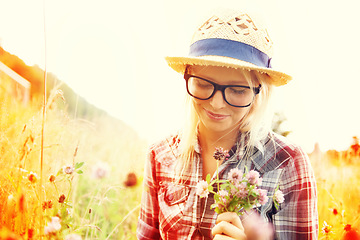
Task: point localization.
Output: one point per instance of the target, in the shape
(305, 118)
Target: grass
(96, 206)
(338, 195)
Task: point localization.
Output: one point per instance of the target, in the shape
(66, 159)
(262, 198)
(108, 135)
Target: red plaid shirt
(173, 211)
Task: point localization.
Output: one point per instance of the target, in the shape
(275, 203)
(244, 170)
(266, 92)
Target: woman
(229, 81)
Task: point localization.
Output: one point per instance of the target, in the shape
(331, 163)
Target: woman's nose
(217, 101)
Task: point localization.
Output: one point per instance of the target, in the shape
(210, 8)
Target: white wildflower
(202, 188)
(279, 196)
(52, 226)
(100, 170)
(68, 169)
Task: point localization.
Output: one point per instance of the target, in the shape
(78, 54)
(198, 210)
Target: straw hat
(231, 39)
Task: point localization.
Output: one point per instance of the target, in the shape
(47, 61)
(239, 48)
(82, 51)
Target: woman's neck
(209, 140)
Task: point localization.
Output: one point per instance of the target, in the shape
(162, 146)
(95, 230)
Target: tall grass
(95, 206)
(338, 186)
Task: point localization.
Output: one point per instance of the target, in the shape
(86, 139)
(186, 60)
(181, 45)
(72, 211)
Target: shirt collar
(267, 154)
(270, 153)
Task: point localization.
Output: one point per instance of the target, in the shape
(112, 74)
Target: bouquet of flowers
(239, 192)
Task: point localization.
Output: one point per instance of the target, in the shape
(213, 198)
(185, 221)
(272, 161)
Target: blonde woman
(229, 80)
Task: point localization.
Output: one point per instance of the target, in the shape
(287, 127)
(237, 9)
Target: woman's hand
(228, 226)
(251, 227)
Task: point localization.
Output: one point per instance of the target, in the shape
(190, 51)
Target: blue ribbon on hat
(230, 48)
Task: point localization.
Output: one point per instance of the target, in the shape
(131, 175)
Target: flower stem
(217, 175)
(70, 188)
(57, 191)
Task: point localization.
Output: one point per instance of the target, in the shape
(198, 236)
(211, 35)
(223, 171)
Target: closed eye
(238, 90)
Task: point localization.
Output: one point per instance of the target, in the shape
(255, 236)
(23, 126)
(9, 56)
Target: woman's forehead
(217, 73)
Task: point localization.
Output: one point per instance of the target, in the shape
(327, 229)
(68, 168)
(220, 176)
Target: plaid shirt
(173, 211)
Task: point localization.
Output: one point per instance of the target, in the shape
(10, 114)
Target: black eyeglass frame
(219, 87)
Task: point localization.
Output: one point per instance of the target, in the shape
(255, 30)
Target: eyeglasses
(234, 95)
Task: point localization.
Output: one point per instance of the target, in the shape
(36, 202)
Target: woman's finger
(230, 217)
(222, 237)
(228, 229)
(255, 227)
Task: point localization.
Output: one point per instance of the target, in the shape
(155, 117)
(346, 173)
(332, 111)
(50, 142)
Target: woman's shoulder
(279, 151)
(284, 144)
(170, 141)
(166, 150)
(292, 161)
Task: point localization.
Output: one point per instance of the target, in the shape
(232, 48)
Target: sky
(112, 53)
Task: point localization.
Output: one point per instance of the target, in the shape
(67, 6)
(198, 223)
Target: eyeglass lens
(237, 96)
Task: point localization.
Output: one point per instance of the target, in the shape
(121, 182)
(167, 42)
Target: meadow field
(65, 177)
(338, 178)
(72, 168)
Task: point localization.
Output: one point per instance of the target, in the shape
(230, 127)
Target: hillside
(74, 104)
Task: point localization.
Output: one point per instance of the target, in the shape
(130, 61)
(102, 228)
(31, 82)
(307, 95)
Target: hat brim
(179, 64)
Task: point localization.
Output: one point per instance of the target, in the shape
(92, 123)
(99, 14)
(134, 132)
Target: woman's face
(215, 114)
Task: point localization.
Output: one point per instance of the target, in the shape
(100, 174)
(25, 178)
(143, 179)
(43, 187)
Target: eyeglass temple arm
(257, 89)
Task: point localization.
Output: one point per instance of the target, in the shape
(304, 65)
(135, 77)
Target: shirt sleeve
(148, 223)
(297, 217)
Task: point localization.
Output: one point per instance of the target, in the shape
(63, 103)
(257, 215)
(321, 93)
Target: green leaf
(80, 172)
(253, 194)
(231, 208)
(60, 172)
(223, 181)
(208, 178)
(276, 205)
(247, 206)
(223, 186)
(79, 165)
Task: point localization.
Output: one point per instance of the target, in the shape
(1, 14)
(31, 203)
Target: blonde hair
(256, 123)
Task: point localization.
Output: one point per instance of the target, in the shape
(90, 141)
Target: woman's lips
(215, 116)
